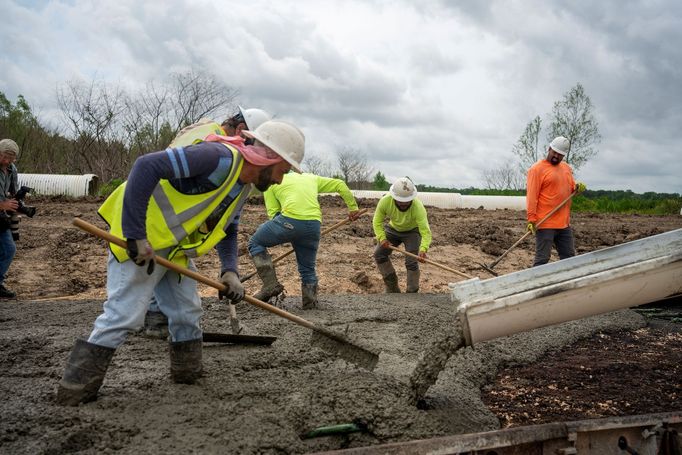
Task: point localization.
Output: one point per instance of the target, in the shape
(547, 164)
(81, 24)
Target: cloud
(440, 89)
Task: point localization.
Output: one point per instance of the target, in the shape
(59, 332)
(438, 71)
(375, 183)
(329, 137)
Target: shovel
(336, 343)
(211, 337)
(283, 255)
(429, 261)
(491, 266)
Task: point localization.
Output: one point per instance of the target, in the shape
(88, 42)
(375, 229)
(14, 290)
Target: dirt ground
(263, 399)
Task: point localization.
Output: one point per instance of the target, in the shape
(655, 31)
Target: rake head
(488, 269)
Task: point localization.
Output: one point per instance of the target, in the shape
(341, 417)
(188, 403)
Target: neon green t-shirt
(296, 196)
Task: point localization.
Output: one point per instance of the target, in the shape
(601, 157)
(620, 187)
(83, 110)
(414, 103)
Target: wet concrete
(257, 399)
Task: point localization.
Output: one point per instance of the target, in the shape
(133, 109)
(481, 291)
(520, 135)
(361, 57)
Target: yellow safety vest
(196, 132)
(175, 219)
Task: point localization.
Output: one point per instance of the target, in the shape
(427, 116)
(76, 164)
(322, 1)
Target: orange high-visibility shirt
(547, 187)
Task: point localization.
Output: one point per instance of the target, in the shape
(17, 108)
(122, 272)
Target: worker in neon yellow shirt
(407, 224)
(295, 217)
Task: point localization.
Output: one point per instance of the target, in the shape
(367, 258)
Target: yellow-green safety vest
(176, 219)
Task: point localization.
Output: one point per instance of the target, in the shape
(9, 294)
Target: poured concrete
(260, 399)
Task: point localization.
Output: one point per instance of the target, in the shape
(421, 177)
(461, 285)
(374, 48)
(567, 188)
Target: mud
(262, 399)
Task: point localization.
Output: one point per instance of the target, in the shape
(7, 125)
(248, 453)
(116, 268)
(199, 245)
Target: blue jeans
(304, 236)
(7, 251)
(129, 290)
(561, 238)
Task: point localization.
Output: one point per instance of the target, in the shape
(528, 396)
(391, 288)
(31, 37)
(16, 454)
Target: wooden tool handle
(92, 229)
(429, 261)
(545, 218)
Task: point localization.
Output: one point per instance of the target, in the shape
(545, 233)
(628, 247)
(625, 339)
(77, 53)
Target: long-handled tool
(492, 265)
(336, 343)
(429, 261)
(234, 320)
(324, 231)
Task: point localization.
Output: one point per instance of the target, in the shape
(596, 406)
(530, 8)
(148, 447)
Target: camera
(11, 220)
(27, 210)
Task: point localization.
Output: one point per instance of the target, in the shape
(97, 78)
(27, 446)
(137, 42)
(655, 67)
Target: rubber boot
(390, 278)
(309, 296)
(413, 281)
(155, 325)
(266, 272)
(84, 373)
(185, 358)
(6, 293)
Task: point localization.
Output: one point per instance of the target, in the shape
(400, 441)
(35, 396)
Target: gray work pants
(561, 238)
(411, 239)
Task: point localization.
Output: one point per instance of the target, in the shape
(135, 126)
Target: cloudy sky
(437, 90)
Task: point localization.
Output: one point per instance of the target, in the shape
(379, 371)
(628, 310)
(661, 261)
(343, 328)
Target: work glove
(531, 227)
(234, 289)
(580, 187)
(422, 256)
(354, 215)
(141, 252)
(385, 244)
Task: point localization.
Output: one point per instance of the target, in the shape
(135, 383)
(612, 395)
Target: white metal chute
(61, 184)
(618, 277)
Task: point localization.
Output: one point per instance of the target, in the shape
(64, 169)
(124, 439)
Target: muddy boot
(413, 281)
(391, 283)
(6, 293)
(155, 325)
(309, 296)
(266, 272)
(185, 358)
(390, 278)
(84, 373)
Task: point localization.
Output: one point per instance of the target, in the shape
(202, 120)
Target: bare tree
(145, 115)
(354, 168)
(90, 112)
(505, 177)
(318, 166)
(194, 96)
(526, 148)
(573, 118)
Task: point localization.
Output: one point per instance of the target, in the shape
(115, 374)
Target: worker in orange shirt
(550, 181)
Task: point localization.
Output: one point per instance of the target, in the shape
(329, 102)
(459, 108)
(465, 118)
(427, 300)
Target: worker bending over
(178, 204)
(155, 322)
(408, 224)
(295, 217)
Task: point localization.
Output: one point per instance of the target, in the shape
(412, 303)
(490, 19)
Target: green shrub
(109, 187)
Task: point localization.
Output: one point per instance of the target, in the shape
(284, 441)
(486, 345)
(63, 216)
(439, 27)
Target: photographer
(9, 152)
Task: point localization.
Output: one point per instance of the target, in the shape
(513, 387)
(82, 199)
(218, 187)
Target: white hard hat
(560, 145)
(9, 146)
(254, 117)
(283, 138)
(403, 190)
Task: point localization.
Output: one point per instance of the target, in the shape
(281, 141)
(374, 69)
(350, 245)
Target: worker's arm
(228, 249)
(532, 192)
(424, 229)
(378, 220)
(329, 185)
